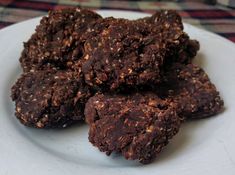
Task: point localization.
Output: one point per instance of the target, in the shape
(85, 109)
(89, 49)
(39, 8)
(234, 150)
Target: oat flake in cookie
(137, 126)
(49, 99)
(57, 41)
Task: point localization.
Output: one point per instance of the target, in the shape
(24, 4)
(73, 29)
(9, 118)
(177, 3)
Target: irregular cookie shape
(190, 87)
(57, 41)
(119, 53)
(49, 99)
(170, 18)
(137, 126)
(123, 53)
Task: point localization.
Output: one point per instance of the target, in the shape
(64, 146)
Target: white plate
(201, 147)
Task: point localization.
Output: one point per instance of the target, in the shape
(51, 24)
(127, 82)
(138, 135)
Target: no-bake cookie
(49, 99)
(171, 19)
(190, 87)
(137, 126)
(120, 52)
(57, 42)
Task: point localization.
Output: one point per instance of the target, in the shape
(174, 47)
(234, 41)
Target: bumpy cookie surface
(57, 41)
(121, 53)
(188, 48)
(137, 126)
(49, 99)
(190, 87)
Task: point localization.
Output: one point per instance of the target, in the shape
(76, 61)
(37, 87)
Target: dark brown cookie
(187, 49)
(49, 99)
(165, 17)
(118, 53)
(187, 53)
(136, 126)
(121, 52)
(190, 87)
(57, 41)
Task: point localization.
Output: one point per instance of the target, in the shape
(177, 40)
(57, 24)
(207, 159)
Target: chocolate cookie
(117, 53)
(187, 49)
(187, 53)
(137, 126)
(120, 52)
(57, 41)
(49, 99)
(190, 87)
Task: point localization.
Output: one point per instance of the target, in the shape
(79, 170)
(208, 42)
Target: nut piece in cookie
(137, 126)
(57, 40)
(49, 99)
(190, 87)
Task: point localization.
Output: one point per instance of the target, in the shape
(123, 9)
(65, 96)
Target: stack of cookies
(132, 81)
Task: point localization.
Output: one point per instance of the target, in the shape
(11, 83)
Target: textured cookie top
(190, 87)
(48, 99)
(166, 18)
(120, 52)
(57, 41)
(171, 19)
(138, 125)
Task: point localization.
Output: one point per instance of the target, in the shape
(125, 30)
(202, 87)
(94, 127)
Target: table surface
(215, 18)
